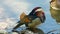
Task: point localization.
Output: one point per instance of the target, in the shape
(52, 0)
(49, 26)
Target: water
(13, 10)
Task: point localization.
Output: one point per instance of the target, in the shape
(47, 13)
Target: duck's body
(55, 11)
(32, 20)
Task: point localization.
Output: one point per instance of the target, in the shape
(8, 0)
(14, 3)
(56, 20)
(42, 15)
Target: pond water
(13, 8)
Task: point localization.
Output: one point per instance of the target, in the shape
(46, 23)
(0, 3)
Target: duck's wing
(22, 15)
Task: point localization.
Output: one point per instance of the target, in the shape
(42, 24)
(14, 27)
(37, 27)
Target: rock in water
(14, 33)
(30, 32)
(3, 32)
(26, 32)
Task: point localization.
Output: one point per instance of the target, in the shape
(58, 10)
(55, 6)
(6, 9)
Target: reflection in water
(55, 31)
(7, 23)
(47, 26)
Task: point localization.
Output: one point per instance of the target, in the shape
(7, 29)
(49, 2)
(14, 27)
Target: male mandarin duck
(35, 17)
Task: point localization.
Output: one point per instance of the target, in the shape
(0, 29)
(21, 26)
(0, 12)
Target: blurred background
(10, 11)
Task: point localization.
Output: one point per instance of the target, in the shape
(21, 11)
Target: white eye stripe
(38, 9)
